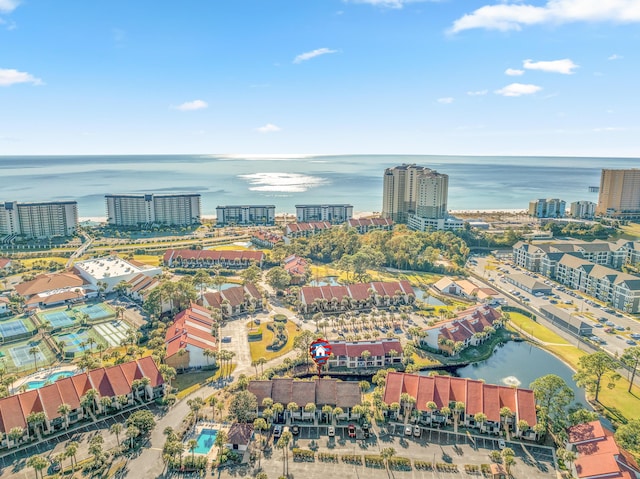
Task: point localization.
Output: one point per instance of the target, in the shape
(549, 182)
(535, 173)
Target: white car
(501, 444)
(416, 431)
(332, 431)
(408, 431)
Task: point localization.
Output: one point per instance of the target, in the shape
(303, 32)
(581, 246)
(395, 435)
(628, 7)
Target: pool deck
(213, 452)
(40, 375)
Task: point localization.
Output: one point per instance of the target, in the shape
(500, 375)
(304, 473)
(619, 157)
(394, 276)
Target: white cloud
(506, 17)
(268, 128)
(477, 92)
(192, 105)
(615, 56)
(312, 54)
(446, 100)
(564, 66)
(10, 77)
(609, 129)
(513, 72)
(388, 3)
(518, 89)
(8, 6)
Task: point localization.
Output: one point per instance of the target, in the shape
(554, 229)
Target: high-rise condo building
(138, 210)
(417, 196)
(582, 209)
(331, 213)
(399, 192)
(547, 208)
(39, 220)
(246, 215)
(619, 194)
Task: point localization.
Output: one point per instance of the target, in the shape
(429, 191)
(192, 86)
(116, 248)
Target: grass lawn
(231, 247)
(28, 262)
(617, 403)
(186, 380)
(259, 348)
(151, 260)
(632, 229)
(423, 359)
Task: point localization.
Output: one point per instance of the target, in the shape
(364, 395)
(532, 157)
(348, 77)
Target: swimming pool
(51, 378)
(206, 439)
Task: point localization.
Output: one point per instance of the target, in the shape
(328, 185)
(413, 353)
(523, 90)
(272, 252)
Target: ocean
(475, 183)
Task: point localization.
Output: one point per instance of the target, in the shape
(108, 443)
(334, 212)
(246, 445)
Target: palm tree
(311, 409)
(209, 353)
(221, 440)
(292, 407)
(458, 409)
(64, 410)
(283, 443)
(116, 429)
(446, 412)
(327, 411)
(506, 414)
(195, 405)
(132, 432)
(260, 425)
(38, 463)
(191, 445)
(105, 403)
(523, 426)
(88, 401)
(387, 453)
(36, 420)
(407, 402)
(34, 352)
(70, 451)
(15, 434)
(432, 407)
(480, 418)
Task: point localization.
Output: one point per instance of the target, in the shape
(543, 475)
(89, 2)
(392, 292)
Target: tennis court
(21, 356)
(96, 311)
(74, 342)
(12, 328)
(58, 319)
(113, 332)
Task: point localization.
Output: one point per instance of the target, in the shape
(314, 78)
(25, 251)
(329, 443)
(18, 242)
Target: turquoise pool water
(53, 377)
(205, 439)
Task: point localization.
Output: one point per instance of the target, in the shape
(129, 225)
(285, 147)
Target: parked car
(295, 430)
(408, 431)
(277, 431)
(351, 428)
(631, 342)
(417, 431)
(332, 431)
(501, 444)
(365, 430)
(226, 339)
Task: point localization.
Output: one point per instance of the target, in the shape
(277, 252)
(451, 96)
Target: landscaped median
(616, 403)
(263, 338)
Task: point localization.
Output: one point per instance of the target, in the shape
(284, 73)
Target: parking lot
(532, 460)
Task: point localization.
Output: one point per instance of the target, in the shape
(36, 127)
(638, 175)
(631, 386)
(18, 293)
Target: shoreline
(356, 214)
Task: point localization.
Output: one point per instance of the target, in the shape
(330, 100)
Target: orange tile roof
(4, 262)
(49, 282)
(597, 466)
(585, 432)
(213, 255)
(191, 327)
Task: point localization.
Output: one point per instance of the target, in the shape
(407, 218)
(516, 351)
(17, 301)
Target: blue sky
(478, 77)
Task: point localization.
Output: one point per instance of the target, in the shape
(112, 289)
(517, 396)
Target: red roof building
(364, 225)
(191, 332)
(113, 381)
(382, 353)
(235, 300)
(206, 258)
(355, 296)
(297, 267)
(5, 263)
(304, 230)
(266, 239)
(598, 453)
(476, 396)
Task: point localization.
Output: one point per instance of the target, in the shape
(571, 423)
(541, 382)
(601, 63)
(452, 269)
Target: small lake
(430, 300)
(224, 286)
(519, 364)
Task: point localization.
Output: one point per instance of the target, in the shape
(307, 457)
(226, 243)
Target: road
(80, 251)
(580, 305)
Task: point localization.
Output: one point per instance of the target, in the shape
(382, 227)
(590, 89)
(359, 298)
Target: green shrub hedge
(255, 335)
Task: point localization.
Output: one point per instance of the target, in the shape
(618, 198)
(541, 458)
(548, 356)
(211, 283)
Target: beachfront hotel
(264, 215)
(619, 194)
(150, 209)
(585, 210)
(547, 208)
(38, 220)
(331, 213)
(400, 190)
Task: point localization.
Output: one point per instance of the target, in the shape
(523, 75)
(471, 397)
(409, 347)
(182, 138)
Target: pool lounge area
(206, 440)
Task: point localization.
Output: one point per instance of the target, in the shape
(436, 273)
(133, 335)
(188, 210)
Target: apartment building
(364, 225)
(189, 336)
(207, 258)
(39, 220)
(353, 354)
(400, 191)
(476, 396)
(150, 209)
(582, 209)
(331, 213)
(243, 215)
(547, 208)
(619, 195)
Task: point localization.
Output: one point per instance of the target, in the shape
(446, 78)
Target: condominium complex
(417, 196)
(582, 209)
(138, 210)
(619, 194)
(547, 208)
(39, 220)
(400, 191)
(587, 267)
(246, 215)
(331, 213)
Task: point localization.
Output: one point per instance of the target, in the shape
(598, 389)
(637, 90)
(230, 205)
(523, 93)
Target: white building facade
(149, 209)
(331, 213)
(246, 215)
(39, 220)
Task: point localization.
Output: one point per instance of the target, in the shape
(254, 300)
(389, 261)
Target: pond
(430, 300)
(518, 364)
(326, 281)
(224, 286)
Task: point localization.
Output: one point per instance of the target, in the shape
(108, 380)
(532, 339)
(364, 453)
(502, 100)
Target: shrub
(472, 469)
(422, 465)
(280, 318)
(327, 457)
(400, 464)
(446, 467)
(303, 455)
(485, 468)
(352, 459)
(373, 461)
(255, 335)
